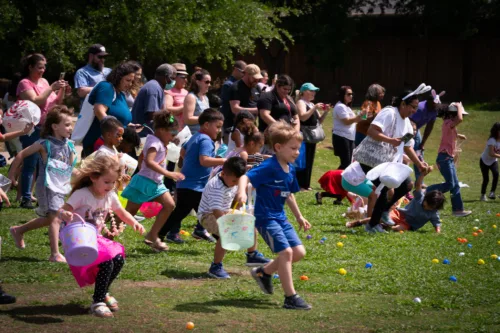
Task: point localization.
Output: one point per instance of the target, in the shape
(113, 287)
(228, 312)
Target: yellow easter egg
(435, 261)
(494, 257)
(342, 271)
(480, 262)
(340, 244)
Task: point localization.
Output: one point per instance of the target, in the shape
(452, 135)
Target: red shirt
(331, 182)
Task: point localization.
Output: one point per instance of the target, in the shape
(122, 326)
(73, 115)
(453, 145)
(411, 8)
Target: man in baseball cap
(92, 73)
(150, 98)
(244, 93)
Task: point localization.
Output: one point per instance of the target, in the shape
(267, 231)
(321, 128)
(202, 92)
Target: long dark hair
(197, 76)
(341, 95)
(31, 61)
(119, 72)
(495, 130)
(284, 80)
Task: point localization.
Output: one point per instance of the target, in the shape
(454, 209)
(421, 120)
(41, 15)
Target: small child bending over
(93, 196)
(58, 157)
(275, 182)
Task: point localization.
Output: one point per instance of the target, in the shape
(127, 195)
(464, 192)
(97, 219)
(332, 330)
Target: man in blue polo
(92, 73)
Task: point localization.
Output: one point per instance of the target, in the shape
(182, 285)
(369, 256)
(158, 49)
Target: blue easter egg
(446, 262)
(453, 278)
(276, 276)
(368, 265)
(323, 239)
(469, 245)
(309, 237)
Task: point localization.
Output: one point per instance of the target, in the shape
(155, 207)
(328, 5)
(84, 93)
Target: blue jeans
(29, 163)
(447, 169)
(418, 142)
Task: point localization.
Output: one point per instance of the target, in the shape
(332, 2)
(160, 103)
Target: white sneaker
(483, 197)
(492, 195)
(463, 213)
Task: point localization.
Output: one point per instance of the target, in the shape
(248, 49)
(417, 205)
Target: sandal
(111, 303)
(57, 258)
(18, 239)
(101, 310)
(157, 245)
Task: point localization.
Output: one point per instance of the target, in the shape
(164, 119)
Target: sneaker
(139, 218)
(483, 197)
(256, 259)
(337, 202)
(319, 199)
(375, 229)
(174, 238)
(463, 213)
(296, 302)
(264, 280)
(27, 204)
(203, 234)
(6, 298)
(492, 196)
(386, 218)
(217, 271)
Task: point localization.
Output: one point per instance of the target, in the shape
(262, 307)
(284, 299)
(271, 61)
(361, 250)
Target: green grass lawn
(161, 292)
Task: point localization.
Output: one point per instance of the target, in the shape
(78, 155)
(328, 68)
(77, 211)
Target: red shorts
(399, 219)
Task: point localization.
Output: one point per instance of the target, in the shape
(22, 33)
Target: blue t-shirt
(415, 214)
(104, 93)
(196, 175)
(149, 99)
(273, 186)
(88, 76)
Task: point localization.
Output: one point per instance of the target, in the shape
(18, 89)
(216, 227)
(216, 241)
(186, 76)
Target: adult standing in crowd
(344, 127)
(244, 93)
(237, 74)
(174, 103)
(387, 129)
(150, 98)
(276, 105)
(108, 99)
(371, 106)
(136, 85)
(310, 118)
(196, 101)
(94, 72)
(262, 85)
(33, 87)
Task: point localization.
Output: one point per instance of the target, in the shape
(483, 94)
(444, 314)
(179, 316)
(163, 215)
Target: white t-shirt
(90, 208)
(216, 195)
(485, 157)
(231, 145)
(385, 119)
(342, 111)
(105, 151)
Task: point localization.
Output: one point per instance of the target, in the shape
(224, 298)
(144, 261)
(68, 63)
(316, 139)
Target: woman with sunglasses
(196, 101)
(137, 84)
(344, 127)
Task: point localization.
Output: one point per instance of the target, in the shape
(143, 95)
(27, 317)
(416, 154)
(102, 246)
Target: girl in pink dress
(92, 198)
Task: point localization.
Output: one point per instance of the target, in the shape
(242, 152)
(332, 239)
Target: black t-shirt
(247, 96)
(279, 111)
(313, 119)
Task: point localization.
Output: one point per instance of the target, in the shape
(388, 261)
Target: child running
(93, 196)
(452, 116)
(147, 185)
(58, 157)
(489, 162)
(199, 158)
(112, 135)
(216, 201)
(242, 122)
(275, 182)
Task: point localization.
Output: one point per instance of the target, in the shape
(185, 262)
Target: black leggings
(382, 204)
(170, 183)
(343, 148)
(485, 171)
(304, 175)
(187, 200)
(108, 271)
(331, 195)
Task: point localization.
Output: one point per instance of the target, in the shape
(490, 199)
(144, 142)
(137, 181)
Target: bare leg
(219, 252)
(54, 226)
(168, 204)
(283, 264)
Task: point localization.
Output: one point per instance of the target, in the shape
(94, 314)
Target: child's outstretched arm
(241, 195)
(292, 203)
(419, 182)
(436, 222)
(208, 162)
(33, 149)
(150, 162)
(129, 219)
(13, 135)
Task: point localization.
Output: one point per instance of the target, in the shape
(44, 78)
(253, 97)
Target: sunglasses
(182, 76)
(207, 82)
(350, 94)
(101, 57)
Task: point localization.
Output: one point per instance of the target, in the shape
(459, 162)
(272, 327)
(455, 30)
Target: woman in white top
(344, 127)
(489, 161)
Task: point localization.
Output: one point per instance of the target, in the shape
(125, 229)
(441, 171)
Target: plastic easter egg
(343, 236)
(309, 237)
(189, 325)
(401, 232)
(276, 276)
(480, 230)
(480, 262)
(453, 278)
(342, 271)
(476, 220)
(494, 257)
(461, 254)
(304, 278)
(475, 234)
(446, 262)
(323, 239)
(417, 300)
(368, 265)
(475, 228)
(435, 261)
(469, 245)
(494, 226)
(340, 244)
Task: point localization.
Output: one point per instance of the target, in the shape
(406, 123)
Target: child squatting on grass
(275, 182)
(58, 157)
(94, 196)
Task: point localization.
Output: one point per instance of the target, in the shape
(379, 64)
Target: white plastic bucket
(173, 152)
(129, 163)
(20, 114)
(236, 231)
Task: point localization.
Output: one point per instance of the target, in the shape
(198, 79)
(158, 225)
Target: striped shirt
(216, 195)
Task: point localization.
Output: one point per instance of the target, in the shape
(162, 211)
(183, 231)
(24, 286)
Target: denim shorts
(279, 235)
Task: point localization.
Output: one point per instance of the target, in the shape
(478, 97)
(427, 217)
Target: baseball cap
(98, 49)
(254, 71)
(453, 108)
(308, 86)
(166, 70)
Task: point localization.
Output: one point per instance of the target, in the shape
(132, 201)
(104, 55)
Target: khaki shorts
(209, 222)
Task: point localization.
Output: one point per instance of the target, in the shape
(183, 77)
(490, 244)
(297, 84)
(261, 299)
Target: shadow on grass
(146, 252)
(184, 275)
(211, 306)
(22, 259)
(45, 314)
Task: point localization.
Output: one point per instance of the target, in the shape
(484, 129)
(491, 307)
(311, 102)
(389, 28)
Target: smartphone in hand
(62, 75)
(407, 137)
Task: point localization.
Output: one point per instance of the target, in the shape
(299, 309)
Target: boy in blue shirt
(275, 182)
